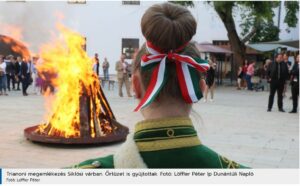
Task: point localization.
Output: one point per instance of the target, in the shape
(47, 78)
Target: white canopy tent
(266, 47)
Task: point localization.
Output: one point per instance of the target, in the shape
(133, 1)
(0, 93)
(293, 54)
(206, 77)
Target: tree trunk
(239, 51)
(238, 48)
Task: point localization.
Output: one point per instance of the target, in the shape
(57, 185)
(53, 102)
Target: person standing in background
(9, 71)
(250, 74)
(292, 58)
(96, 64)
(265, 80)
(295, 84)
(34, 75)
(3, 78)
(210, 81)
(18, 71)
(289, 66)
(277, 75)
(286, 60)
(105, 67)
(13, 73)
(244, 68)
(240, 77)
(267, 64)
(123, 75)
(25, 76)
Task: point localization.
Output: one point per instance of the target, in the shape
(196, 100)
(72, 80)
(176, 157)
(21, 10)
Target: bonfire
(79, 113)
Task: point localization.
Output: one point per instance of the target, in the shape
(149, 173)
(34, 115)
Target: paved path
(236, 125)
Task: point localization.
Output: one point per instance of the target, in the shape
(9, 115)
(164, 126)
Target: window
(131, 2)
(77, 1)
(129, 46)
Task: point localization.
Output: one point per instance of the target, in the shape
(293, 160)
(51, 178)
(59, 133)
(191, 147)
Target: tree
(261, 16)
(257, 23)
(184, 3)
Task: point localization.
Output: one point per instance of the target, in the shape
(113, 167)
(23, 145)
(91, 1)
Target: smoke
(27, 22)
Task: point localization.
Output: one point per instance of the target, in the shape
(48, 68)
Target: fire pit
(79, 112)
(108, 130)
(118, 135)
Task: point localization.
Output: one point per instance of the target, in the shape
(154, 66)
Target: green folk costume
(162, 143)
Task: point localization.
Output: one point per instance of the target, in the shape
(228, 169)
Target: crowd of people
(276, 75)
(15, 71)
(17, 74)
(269, 77)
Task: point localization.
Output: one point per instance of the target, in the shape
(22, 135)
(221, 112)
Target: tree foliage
(184, 3)
(266, 32)
(257, 23)
(257, 17)
(292, 9)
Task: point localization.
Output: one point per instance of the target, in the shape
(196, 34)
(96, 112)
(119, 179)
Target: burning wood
(80, 112)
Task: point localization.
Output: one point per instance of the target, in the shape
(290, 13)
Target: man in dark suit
(277, 75)
(25, 76)
(295, 84)
(14, 72)
(9, 71)
(18, 71)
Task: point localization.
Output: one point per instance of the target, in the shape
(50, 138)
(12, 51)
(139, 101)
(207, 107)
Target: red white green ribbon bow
(185, 68)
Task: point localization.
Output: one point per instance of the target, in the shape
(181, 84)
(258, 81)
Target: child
(166, 77)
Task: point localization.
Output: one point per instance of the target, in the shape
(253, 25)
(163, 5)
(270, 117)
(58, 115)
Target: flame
(78, 87)
(12, 31)
(59, 16)
(14, 39)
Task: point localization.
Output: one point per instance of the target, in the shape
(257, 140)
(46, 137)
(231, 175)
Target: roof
(210, 48)
(264, 47)
(249, 51)
(289, 43)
